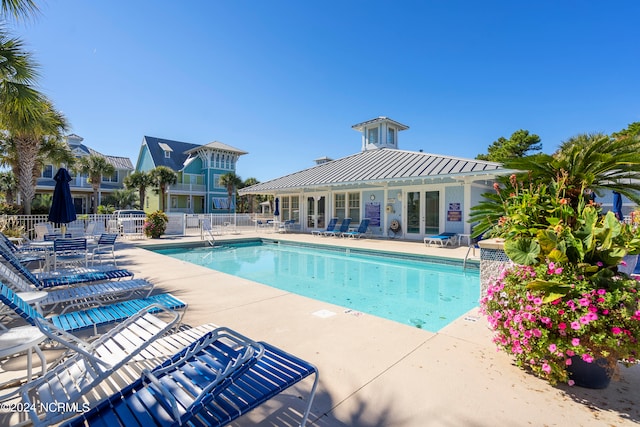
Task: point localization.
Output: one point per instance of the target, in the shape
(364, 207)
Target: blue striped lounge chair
(152, 399)
(330, 227)
(70, 297)
(64, 277)
(344, 227)
(442, 239)
(94, 317)
(361, 231)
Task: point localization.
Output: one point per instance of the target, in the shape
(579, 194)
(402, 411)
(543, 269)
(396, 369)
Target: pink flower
(575, 342)
(616, 331)
(587, 358)
(568, 362)
(601, 291)
(562, 326)
(546, 368)
(575, 325)
(552, 348)
(571, 382)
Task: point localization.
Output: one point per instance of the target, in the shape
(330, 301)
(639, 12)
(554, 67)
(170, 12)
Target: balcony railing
(190, 188)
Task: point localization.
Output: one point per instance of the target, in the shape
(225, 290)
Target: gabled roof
(117, 161)
(220, 146)
(376, 166)
(181, 151)
(178, 155)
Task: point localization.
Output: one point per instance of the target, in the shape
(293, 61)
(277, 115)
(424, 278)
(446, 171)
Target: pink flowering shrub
(155, 224)
(545, 314)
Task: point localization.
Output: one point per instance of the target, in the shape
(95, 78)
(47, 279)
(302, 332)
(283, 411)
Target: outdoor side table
(20, 339)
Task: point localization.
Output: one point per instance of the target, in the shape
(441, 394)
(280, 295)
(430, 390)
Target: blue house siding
(189, 160)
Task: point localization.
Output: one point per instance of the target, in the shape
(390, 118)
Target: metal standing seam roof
(376, 165)
(116, 161)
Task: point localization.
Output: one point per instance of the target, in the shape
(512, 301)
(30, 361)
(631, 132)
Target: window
(354, 207)
(286, 214)
(167, 154)
(347, 205)
(340, 206)
(47, 171)
(391, 136)
(373, 135)
(295, 208)
(112, 178)
(174, 202)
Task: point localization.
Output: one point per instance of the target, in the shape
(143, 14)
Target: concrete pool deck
(376, 372)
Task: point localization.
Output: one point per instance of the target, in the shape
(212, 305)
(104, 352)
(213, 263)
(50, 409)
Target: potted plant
(155, 224)
(563, 300)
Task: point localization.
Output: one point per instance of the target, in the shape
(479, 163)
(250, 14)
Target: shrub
(156, 224)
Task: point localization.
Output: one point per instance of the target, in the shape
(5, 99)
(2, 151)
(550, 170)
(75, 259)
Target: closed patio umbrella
(62, 210)
(617, 205)
(276, 211)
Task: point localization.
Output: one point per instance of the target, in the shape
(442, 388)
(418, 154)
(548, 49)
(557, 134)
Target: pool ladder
(466, 257)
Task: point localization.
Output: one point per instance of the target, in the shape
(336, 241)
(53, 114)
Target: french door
(315, 212)
(422, 213)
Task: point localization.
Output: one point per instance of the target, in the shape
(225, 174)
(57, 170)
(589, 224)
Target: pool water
(426, 295)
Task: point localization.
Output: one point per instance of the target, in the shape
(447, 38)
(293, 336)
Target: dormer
(166, 149)
(381, 132)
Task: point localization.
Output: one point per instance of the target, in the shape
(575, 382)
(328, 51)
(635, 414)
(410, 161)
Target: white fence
(179, 224)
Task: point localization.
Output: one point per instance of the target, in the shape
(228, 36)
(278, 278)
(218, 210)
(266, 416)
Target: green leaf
(522, 251)
(551, 290)
(557, 255)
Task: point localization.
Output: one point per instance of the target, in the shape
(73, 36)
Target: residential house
(425, 193)
(199, 168)
(81, 190)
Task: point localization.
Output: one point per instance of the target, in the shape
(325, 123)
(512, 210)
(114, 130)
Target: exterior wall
(195, 167)
(145, 161)
(454, 208)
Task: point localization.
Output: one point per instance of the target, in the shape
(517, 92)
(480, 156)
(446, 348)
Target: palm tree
(231, 181)
(248, 183)
(95, 167)
(8, 185)
(26, 115)
(591, 161)
(124, 198)
(18, 8)
(161, 177)
(26, 135)
(585, 162)
(140, 181)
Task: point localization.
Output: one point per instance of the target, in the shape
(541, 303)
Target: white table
(20, 339)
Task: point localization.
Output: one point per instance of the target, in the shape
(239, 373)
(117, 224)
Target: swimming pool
(403, 288)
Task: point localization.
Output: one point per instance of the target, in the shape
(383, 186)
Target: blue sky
(286, 80)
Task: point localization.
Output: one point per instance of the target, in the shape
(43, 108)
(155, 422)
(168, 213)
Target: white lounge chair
(90, 363)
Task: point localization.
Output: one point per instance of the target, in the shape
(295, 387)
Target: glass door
(423, 213)
(432, 213)
(315, 212)
(413, 213)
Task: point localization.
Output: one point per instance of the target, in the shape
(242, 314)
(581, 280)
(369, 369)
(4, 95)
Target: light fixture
(372, 197)
(399, 195)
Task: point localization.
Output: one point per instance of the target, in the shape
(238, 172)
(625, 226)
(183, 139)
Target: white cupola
(381, 132)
